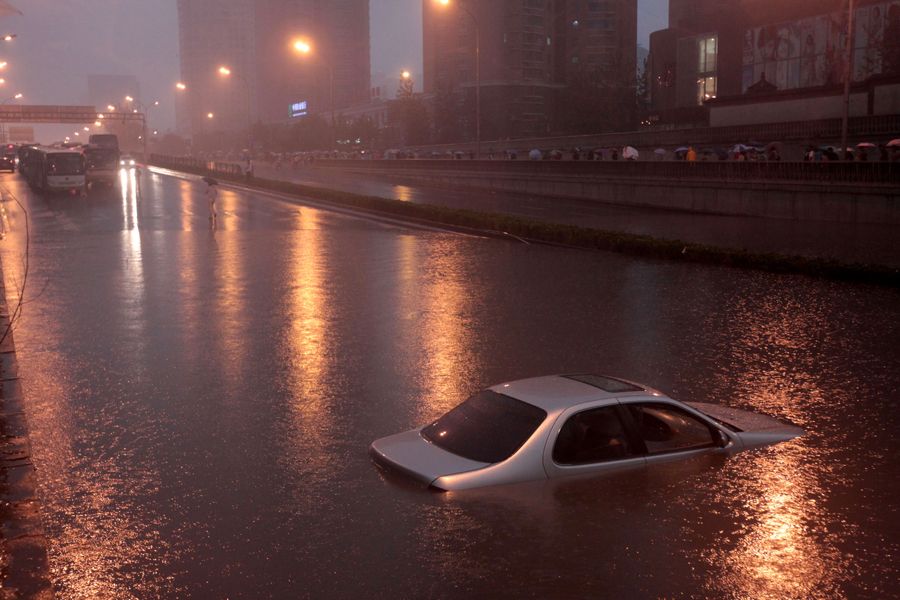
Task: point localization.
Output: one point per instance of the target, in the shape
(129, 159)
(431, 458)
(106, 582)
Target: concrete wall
(784, 111)
(810, 200)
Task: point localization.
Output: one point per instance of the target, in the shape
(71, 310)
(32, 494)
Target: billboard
(299, 109)
(810, 52)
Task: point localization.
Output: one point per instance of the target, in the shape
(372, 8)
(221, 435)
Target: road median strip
(569, 236)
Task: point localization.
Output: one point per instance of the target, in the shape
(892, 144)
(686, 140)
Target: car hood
(410, 453)
(756, 429)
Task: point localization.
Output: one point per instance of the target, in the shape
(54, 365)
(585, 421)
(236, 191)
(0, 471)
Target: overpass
(76, 115)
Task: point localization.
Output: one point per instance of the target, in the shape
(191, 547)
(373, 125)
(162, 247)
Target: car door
(669, 432)
(591, 440)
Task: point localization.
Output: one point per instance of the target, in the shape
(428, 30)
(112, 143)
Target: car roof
(559, 392)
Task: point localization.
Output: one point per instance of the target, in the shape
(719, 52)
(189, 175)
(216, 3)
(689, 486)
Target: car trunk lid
(755, 429)
(410, 453)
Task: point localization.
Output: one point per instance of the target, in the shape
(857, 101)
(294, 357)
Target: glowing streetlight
(9, 37)
(224, 71)
(3, 64)
(210, 115)
(446, 3)
(181, 86)
(129, 99)
(18, 96)
(405, 74)
(110, 108)
(98, 123)
(86, 128)
(304, 47)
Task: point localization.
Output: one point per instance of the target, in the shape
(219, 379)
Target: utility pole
(848, 77)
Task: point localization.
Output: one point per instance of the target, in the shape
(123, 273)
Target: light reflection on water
(219, 447)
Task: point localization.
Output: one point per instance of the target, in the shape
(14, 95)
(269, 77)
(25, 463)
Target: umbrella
(660, 151)
(630, 153)
(682, 149)
(894, 143)
(210, 181)
(866, 145)
(740, 148)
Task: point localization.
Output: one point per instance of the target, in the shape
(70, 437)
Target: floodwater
(201, 403)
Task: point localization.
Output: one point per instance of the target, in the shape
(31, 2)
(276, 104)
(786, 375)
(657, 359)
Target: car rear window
(488, 427)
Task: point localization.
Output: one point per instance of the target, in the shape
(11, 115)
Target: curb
(24, 567)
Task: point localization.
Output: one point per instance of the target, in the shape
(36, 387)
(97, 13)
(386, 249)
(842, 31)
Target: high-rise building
(213, 34)
(255, 38)
(533, 52)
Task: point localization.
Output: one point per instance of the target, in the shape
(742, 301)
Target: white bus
(56, 170)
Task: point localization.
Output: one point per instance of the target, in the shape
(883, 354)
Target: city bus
(56, 170)
(102, 165)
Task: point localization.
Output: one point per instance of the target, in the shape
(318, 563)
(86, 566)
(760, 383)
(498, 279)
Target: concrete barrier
(841, 192)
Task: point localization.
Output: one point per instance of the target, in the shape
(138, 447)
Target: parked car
(563, 425)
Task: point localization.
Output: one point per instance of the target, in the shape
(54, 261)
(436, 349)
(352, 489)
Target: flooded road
(201, 403)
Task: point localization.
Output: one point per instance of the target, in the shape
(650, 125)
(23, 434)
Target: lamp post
(145, 115)
(305, 48)
(477, 74)
(848, 76)
(3, 135)
(226, 72)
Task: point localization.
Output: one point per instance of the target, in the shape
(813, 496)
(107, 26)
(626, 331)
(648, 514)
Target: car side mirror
(722, 440)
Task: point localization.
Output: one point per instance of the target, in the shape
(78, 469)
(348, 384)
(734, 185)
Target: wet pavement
(201, 402)
(847, 243)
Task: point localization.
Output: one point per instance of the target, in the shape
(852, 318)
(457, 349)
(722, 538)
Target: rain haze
(60, 43)
(450, 299)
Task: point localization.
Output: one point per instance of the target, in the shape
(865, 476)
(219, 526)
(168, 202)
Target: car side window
(666, 428)
(591, 436)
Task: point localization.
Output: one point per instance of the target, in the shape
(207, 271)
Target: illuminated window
(707, 64)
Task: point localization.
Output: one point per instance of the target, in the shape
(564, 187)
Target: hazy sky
(60, 42)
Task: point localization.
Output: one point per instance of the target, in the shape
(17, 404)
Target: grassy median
(570, 235)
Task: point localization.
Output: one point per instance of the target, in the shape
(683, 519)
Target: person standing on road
(212, 193)
(691, 154)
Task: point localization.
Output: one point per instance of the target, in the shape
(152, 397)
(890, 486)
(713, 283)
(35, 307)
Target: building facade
(733, 52)
(532, 52)
(255, 38)
(215, 33)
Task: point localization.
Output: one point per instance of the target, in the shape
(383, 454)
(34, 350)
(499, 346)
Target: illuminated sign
(299, 109)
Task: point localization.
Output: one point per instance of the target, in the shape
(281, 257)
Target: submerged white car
(563, 425)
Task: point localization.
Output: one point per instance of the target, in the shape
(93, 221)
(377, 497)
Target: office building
(725, 62)
(255, 38)
(212, 34)
(532, 53)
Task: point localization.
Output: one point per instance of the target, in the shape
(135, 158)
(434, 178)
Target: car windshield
(488, 427)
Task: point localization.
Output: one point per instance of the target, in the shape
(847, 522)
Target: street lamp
(305, 48)
(145, 115)
(180, 86)
(477, 73)
(226, 72)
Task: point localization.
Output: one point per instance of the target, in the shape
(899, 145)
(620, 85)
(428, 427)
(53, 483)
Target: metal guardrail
(725, 171)
(870, 129)
(195, 164)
